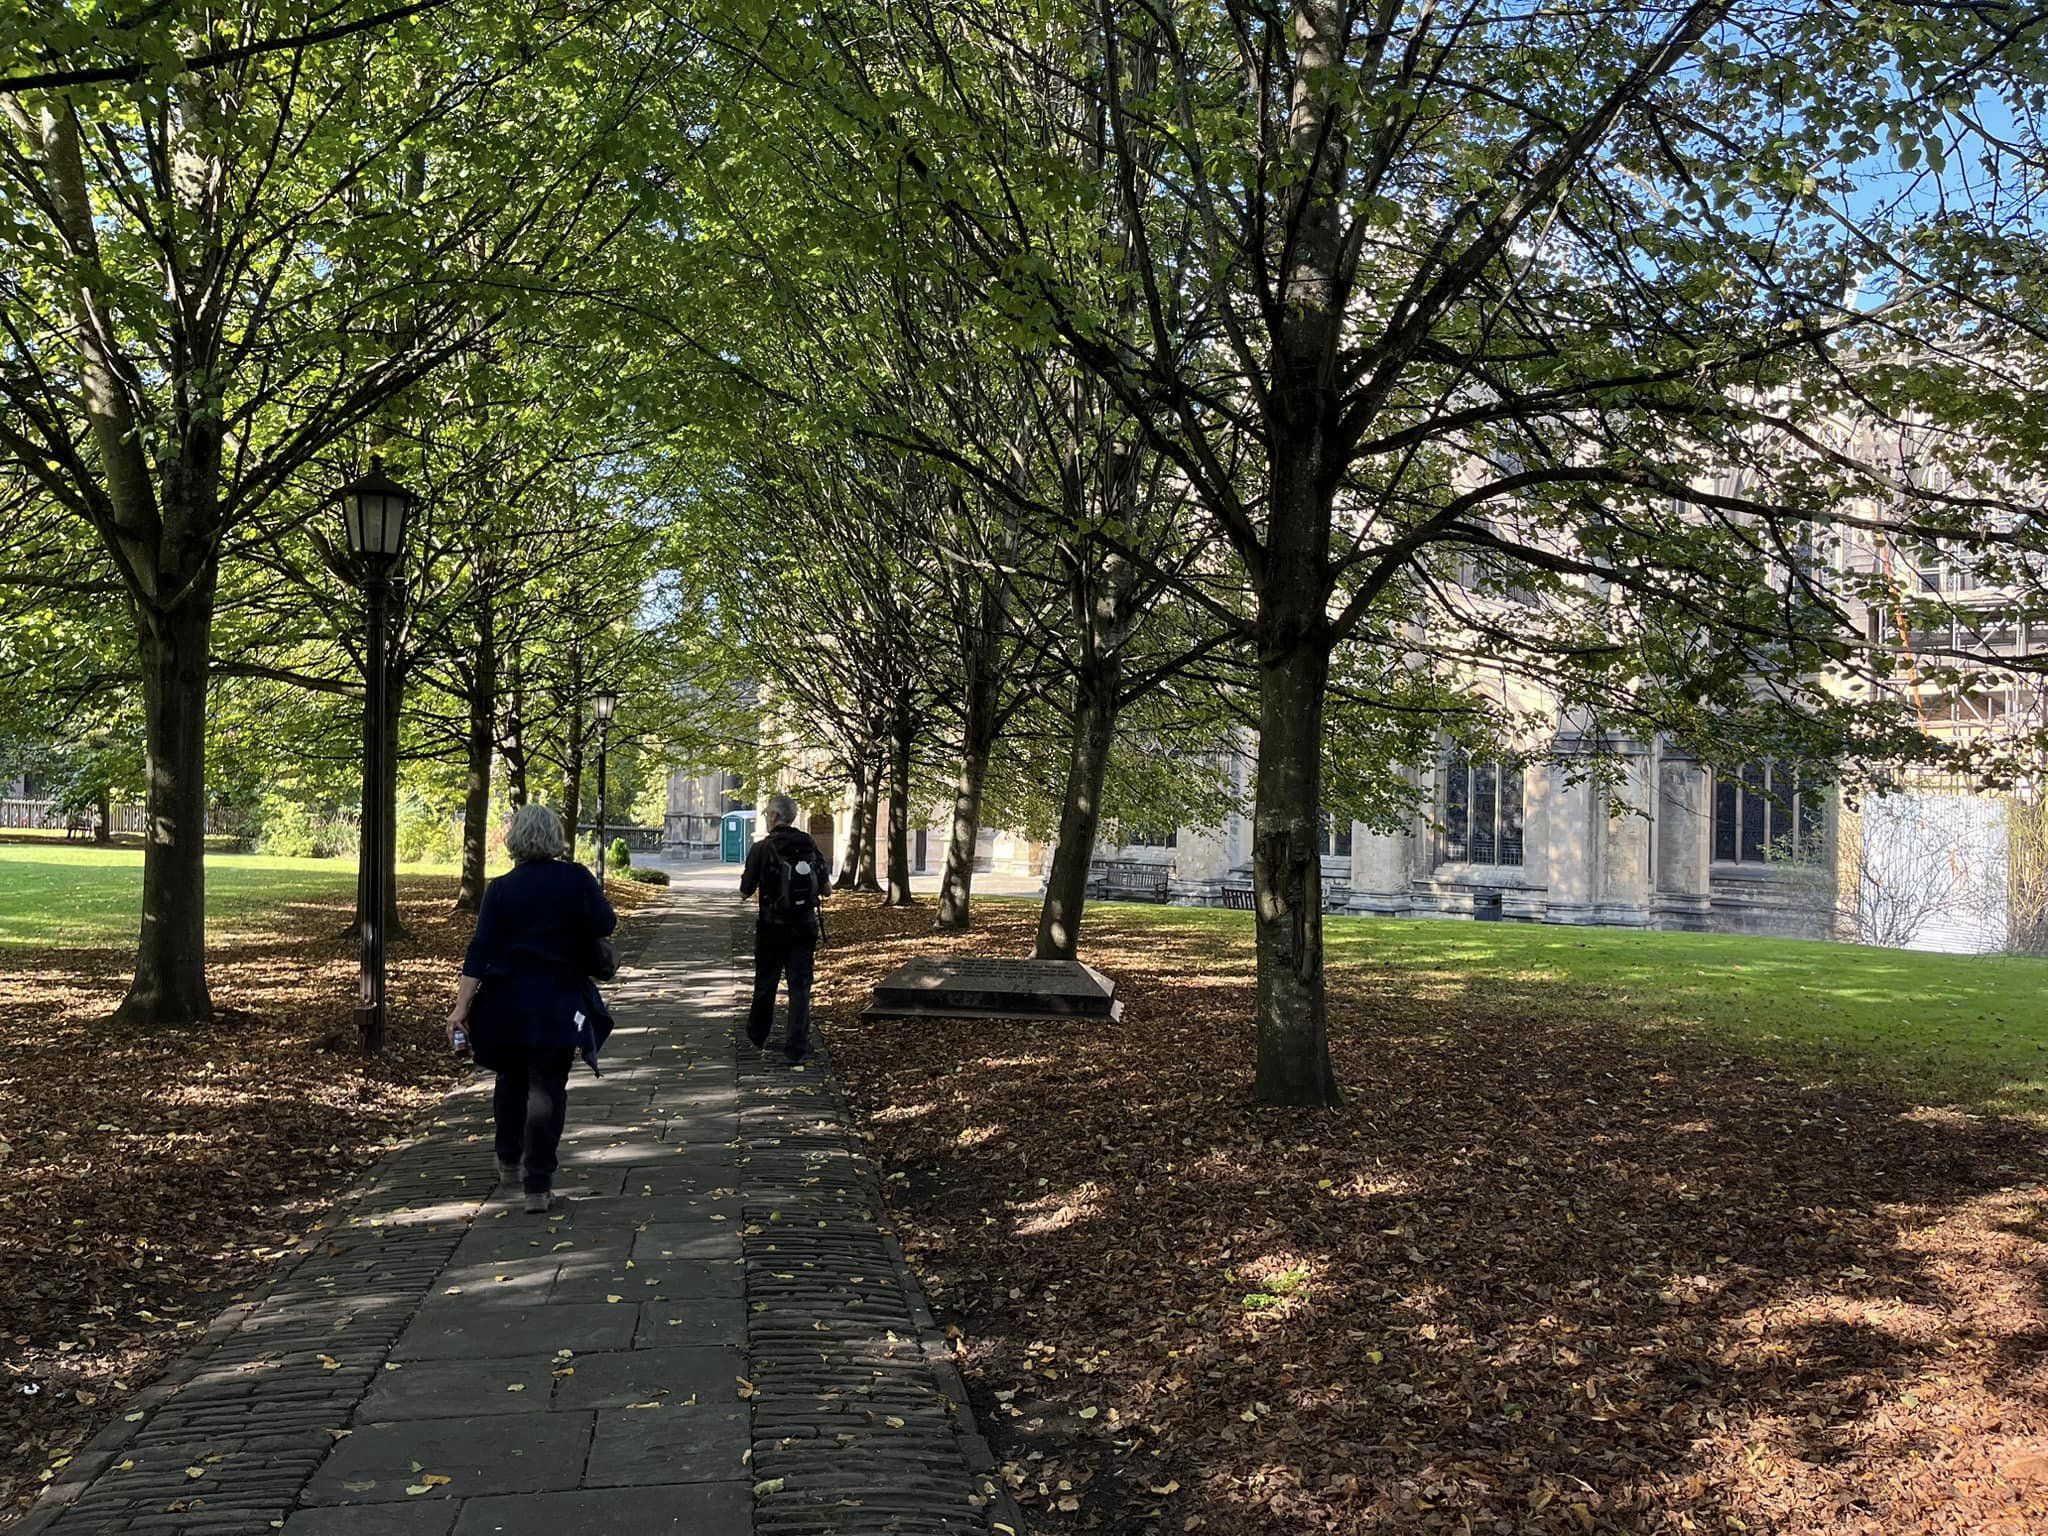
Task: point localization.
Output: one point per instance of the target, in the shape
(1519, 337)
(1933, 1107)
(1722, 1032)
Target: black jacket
(532, 949)
(783, 842)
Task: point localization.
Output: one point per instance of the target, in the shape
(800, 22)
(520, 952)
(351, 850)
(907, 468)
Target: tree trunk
(1099, 585)
(1304, 469)
(1287, 865)
(514, 740)
(476, 800)
(170, 960)
(103, 833)
(900, 732)
(1066, 883)
(871, 818)
(164, 530)
(956, 884)
(859, 828)
(572, 798)
(572, 760)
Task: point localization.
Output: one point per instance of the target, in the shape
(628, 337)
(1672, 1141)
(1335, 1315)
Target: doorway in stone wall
(820, 828)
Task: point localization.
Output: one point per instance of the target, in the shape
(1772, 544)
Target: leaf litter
(1539, 1274)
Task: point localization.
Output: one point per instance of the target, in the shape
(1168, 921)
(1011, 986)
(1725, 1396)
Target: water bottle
(460, 1040)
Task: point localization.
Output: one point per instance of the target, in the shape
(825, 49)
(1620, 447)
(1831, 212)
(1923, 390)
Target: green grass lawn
(76, 897)
(1970, 1028)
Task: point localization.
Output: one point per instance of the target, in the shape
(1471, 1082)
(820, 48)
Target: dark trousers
(531, 1102)
(783, 951)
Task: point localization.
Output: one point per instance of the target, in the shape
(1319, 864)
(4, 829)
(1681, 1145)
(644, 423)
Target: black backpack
(790, 882)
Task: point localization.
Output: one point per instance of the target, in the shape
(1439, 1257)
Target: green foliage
(1670, 311)
(619, 856)
(427, 834)
(640, 875)
(289, 829)
(2026, 830)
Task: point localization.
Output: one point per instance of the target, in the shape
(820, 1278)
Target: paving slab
(703, 1239)
(650, 1277)
(434, 1517)
(700, 1373)
(691, 1509)
(382, 1462)
(693, 1320)
(669, 1443)
(455, 1389)
(456, 1332)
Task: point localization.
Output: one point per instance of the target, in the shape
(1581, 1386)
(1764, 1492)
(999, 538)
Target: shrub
(644, 876)
(620, 857)
(287, 828)
(426, 835)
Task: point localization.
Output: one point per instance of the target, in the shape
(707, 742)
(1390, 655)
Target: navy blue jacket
(533, 947)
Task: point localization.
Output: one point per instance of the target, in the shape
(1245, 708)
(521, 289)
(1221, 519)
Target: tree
(210, 278)
(1416, 289)
(527, 510)
(819, 571)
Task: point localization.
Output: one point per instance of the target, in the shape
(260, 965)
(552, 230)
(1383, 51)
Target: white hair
(781, 810)
(535, 833)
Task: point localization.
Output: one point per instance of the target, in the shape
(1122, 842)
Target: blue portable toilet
(738, 836)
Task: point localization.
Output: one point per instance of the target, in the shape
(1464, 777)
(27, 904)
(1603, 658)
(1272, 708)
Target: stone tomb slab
(673, 1442)
(985, 986)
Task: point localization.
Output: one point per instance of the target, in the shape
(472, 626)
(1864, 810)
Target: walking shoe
(508, 1173)
(538, 1201)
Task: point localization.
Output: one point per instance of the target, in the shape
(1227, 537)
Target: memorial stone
(987, 987)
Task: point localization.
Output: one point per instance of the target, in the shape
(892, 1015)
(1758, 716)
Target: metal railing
(127, 820)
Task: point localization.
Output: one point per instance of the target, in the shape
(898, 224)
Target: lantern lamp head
(606, 702)
(374, 511)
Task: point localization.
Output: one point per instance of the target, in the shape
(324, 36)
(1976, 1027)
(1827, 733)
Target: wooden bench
(78, 825)
(1130, 880)
(1243, 898)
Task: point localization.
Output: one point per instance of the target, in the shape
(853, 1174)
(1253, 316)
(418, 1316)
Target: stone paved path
(712, 1337)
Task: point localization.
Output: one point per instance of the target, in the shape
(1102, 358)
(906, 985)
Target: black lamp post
(374, 510)
(605, 702)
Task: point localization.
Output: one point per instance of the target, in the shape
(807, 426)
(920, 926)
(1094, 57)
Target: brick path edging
(832, 1184)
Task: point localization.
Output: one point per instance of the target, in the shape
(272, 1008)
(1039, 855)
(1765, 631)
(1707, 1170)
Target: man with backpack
(788, 872)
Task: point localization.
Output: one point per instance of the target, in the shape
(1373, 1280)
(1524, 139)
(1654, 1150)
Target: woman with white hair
(526, 992)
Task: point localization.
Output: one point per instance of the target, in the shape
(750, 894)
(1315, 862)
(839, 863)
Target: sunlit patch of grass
(69, 897)
(1966, 1027)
